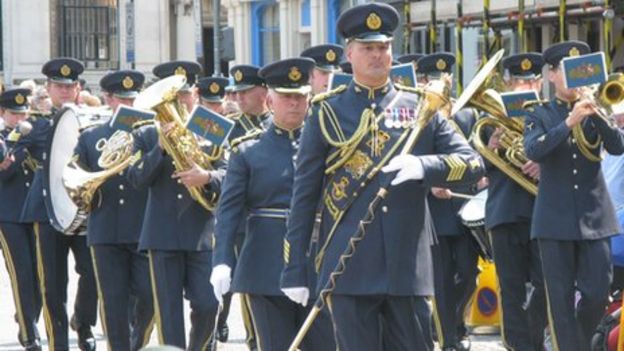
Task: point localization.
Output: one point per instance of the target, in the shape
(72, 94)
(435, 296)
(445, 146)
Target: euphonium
(480, 96)
(607, 95)
(178, 142)
(116, 155)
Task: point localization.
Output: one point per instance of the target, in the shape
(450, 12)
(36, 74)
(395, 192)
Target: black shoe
(86, 341)
(463, 345)
(33, 346)
(223, 332)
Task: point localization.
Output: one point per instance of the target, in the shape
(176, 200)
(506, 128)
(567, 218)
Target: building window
(306, 20)
(265, 32)
(88, 32)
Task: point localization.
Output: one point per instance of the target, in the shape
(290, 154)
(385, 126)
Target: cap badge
(373, 21)
(238, 75)
(214, 88)
(441, 64)
(294, 74)
(330, 55)
(19, 99)
(526, 64)
(574, 51)
(65, 70)
(180, 71)
(127, 82)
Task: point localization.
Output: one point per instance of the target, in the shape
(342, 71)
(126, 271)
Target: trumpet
(603, 97)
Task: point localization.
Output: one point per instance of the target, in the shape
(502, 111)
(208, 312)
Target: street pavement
(9, 330)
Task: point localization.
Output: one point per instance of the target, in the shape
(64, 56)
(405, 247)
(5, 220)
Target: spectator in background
(613, 170)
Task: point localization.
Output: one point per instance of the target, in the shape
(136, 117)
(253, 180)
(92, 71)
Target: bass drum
(68, 123)
(472, 215)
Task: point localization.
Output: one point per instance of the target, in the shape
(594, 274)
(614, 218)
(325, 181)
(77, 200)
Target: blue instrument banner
(125, 117)
(338, 79)
(514, 101)
(404, 74)
(581, 71)
(210, 125)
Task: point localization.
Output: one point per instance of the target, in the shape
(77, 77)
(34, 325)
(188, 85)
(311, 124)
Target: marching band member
(177, 233)
(326, 57)
(455, 257)
(53, 246)
(378, 296)
(212, 93)
(259, 179)
(573, 217)
(187, 95)
(17, 237)
(508, 215)
(113, 230)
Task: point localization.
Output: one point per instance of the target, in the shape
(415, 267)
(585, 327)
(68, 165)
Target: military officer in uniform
(573, 217)
(212, 93)
(177, 234)
(251, 94)
(351, 132)
(187, 95)
(508, 214)
(17, 238)
(113, 230)
(327, 57)
(53, 246)
(259, 178)
(455, 257)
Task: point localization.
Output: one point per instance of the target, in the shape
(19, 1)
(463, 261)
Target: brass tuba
(604, 97)
(179, 142)
(482, 97)
(116, 155)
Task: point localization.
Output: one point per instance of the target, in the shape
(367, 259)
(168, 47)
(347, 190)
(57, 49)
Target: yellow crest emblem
(20, 99)
(127, 82)
(214, 88)
(441, 64)
(373, 21)
(294, 74)
(330, 55)
(65, 70)
(238, 75)
(180, 71)
(574, 51)
(526, 64)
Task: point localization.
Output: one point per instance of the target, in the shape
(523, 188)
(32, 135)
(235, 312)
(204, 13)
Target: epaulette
(235, 142)
(406, 88)
(530, 105)
(324, 96)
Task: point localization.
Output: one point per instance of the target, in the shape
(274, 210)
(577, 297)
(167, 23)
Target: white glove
(409, 167)
(299, 295)
(220, 280)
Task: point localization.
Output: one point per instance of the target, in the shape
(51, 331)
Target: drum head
(474, 210)
(61, 209)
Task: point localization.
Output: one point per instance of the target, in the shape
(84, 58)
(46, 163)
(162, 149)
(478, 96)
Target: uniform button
(574, 156)
(384, 209)
(575, 187)
(179, 181)
(574, 171)
(180, 196)
(27, 184)
(574, 140)
(121, 174)
(294, 144)
(25, 172)
(121, 201)
(44, 193)
(121, 187)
